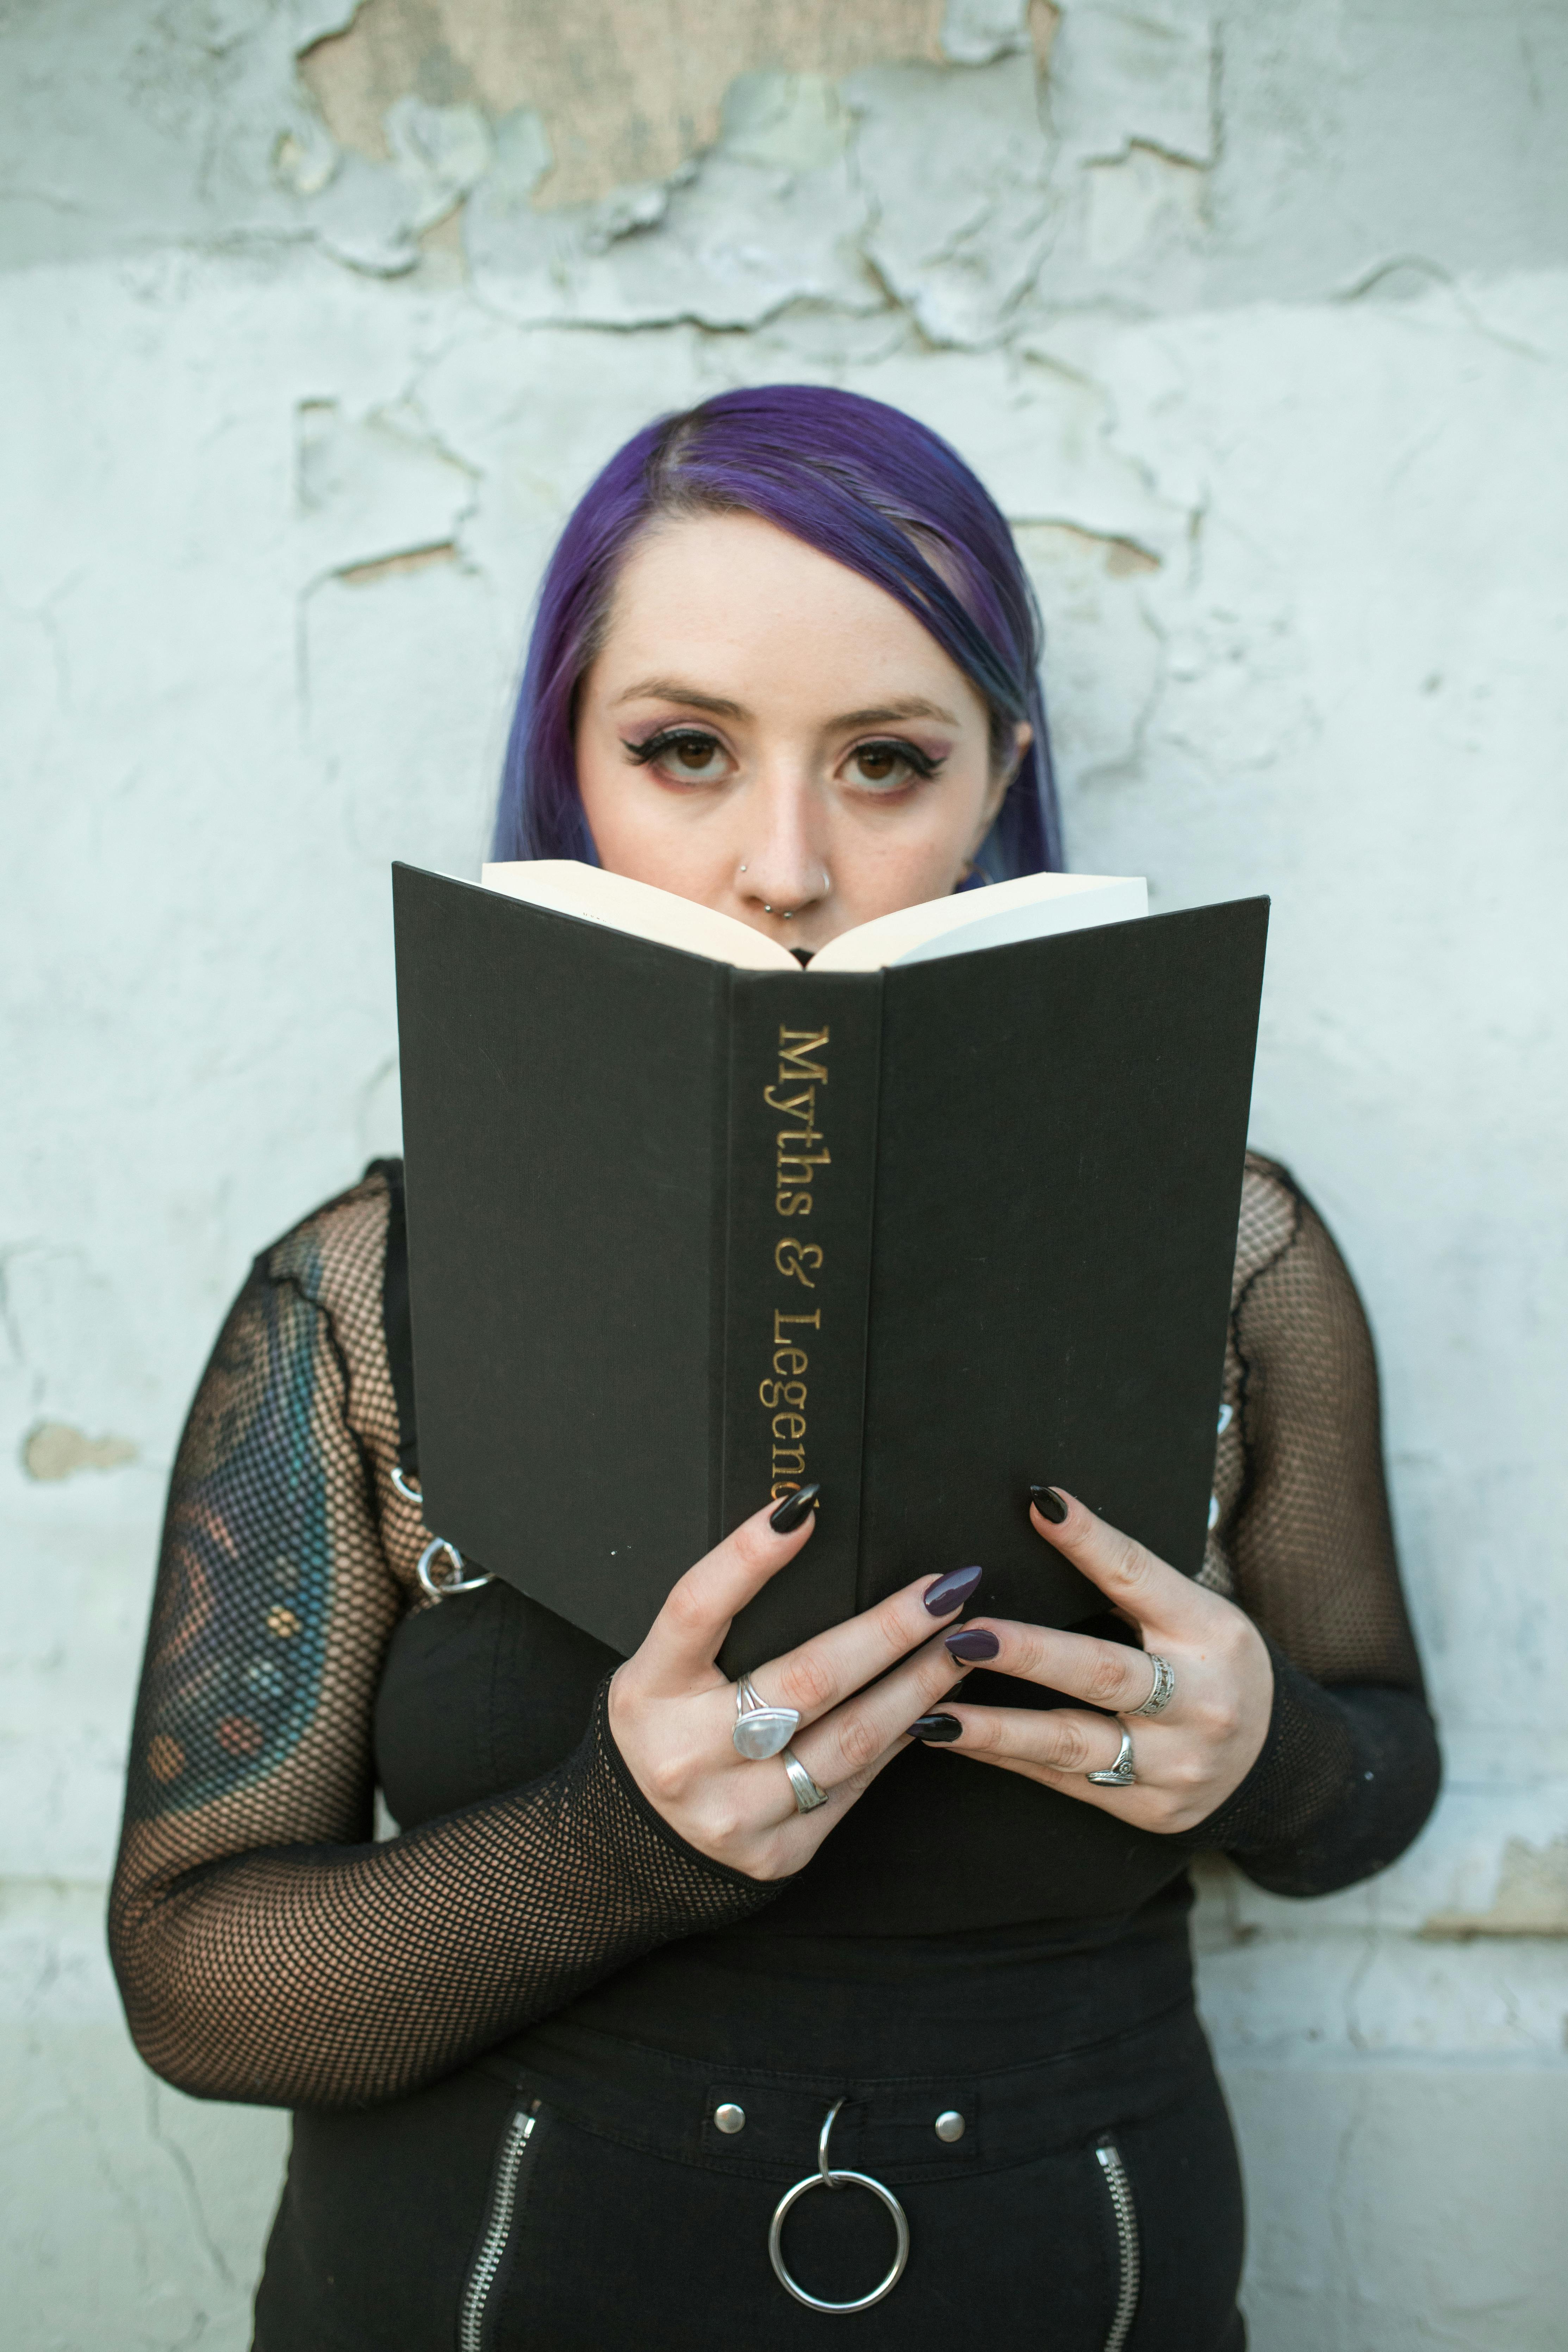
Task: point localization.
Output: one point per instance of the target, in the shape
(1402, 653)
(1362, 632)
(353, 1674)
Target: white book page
(1034, 906)
(568, 887)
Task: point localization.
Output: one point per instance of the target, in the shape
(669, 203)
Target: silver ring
(760, 1730)
(404, 1487)
(823, 2179)
(1164, 1689)
(446, 1586)
(1121, 1774)
(807, 1795)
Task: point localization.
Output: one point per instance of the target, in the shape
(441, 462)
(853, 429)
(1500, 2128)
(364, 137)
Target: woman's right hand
(673, 1713)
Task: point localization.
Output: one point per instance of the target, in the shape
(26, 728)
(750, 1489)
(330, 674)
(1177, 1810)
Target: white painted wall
(1255, 317)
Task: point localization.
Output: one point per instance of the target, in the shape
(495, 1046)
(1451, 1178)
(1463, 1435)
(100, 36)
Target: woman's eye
(688, 759)
(883, 766)
(694, 755)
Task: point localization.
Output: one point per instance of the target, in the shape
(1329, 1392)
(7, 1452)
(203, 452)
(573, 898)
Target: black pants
(575, 2193)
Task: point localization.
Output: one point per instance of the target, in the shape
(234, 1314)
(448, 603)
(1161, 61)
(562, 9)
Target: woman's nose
(781, 869)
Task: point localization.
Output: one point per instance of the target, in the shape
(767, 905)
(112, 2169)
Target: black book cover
(682, 1236)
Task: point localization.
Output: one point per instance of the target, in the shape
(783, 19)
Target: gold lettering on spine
(800, 1149)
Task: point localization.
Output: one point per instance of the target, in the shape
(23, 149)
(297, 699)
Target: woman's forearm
(338, 1976)
(1345, 1781)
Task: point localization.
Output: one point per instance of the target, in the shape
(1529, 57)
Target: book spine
(805, 1070)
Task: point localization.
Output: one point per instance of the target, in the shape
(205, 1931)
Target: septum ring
(1163, 1691)
(825, 2178)
(760, 1730)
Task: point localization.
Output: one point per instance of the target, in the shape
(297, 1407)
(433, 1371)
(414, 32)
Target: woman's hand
(673, 1713)
(1190, 1757)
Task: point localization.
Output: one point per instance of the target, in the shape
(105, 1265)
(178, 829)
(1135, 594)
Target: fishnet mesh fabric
(268, 1950)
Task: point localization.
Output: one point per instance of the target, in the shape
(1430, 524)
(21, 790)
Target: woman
(559, 2048)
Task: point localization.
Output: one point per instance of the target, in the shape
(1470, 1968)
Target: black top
(267, 1950)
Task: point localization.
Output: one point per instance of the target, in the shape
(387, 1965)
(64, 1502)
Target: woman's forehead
(732, 607)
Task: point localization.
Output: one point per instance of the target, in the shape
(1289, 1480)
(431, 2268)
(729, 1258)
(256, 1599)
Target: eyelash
(666, 741)
(642, 754)
(924, 766)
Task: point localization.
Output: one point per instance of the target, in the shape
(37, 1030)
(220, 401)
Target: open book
(1036, 907)
(948, 1212)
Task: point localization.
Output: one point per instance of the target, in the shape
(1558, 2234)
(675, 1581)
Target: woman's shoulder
(1284, 1251)
(1274, 1211)
(335, 1255)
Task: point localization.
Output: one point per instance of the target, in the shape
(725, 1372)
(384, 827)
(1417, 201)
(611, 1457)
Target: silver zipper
(1128, 2261)
(498, 2229)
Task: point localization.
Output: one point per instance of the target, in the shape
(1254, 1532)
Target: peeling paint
(618, 102)
(771, 215)
(392, 567)
(1531, 1897)
(55, 1450)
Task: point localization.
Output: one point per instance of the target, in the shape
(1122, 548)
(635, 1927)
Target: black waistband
(677, 2107)
(891, 2006)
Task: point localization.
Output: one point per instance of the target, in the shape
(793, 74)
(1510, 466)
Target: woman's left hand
(1190, 1757)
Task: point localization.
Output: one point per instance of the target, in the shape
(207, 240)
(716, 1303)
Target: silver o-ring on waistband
(825, 2178)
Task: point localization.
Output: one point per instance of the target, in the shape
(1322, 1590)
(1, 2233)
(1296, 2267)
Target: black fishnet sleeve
(267, 1948)
(1350, 1768)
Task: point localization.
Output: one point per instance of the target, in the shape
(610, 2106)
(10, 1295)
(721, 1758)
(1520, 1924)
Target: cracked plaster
(1265, 386)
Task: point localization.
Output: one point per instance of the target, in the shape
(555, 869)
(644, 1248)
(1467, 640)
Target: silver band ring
(760, 1730)
(1121, 1774)
(1164, 1689)
(824, 2179)
(807, 1795)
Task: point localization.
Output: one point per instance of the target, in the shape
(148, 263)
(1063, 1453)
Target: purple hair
(860, 482)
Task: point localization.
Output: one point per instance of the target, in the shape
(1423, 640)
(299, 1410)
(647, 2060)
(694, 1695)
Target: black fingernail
(951, 1591)
(937, 1727)
(971, 1644)
(1048, 1503)
(794, 1509)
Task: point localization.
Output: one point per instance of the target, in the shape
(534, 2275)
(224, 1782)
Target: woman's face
(771, 735)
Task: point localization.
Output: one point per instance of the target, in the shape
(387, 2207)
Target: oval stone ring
(760, 1730)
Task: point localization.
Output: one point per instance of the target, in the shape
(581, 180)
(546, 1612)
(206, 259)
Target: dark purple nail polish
(937, 1727)
(1048, 1503)
(795, 1510)
(951, 1591)
(971, 1644)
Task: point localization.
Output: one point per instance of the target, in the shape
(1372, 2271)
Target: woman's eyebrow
(884, 714)
(670, 689)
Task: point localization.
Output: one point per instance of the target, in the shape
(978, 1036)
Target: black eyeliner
(643, 752)
(924, 766)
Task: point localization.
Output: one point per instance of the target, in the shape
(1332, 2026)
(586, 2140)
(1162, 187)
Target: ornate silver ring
(1164, 1689)
(760, 1730)
(807, 1795)
(1121, 1774)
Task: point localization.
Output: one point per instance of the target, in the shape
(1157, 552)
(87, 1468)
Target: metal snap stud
(728, 2118)
(950, 2125)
